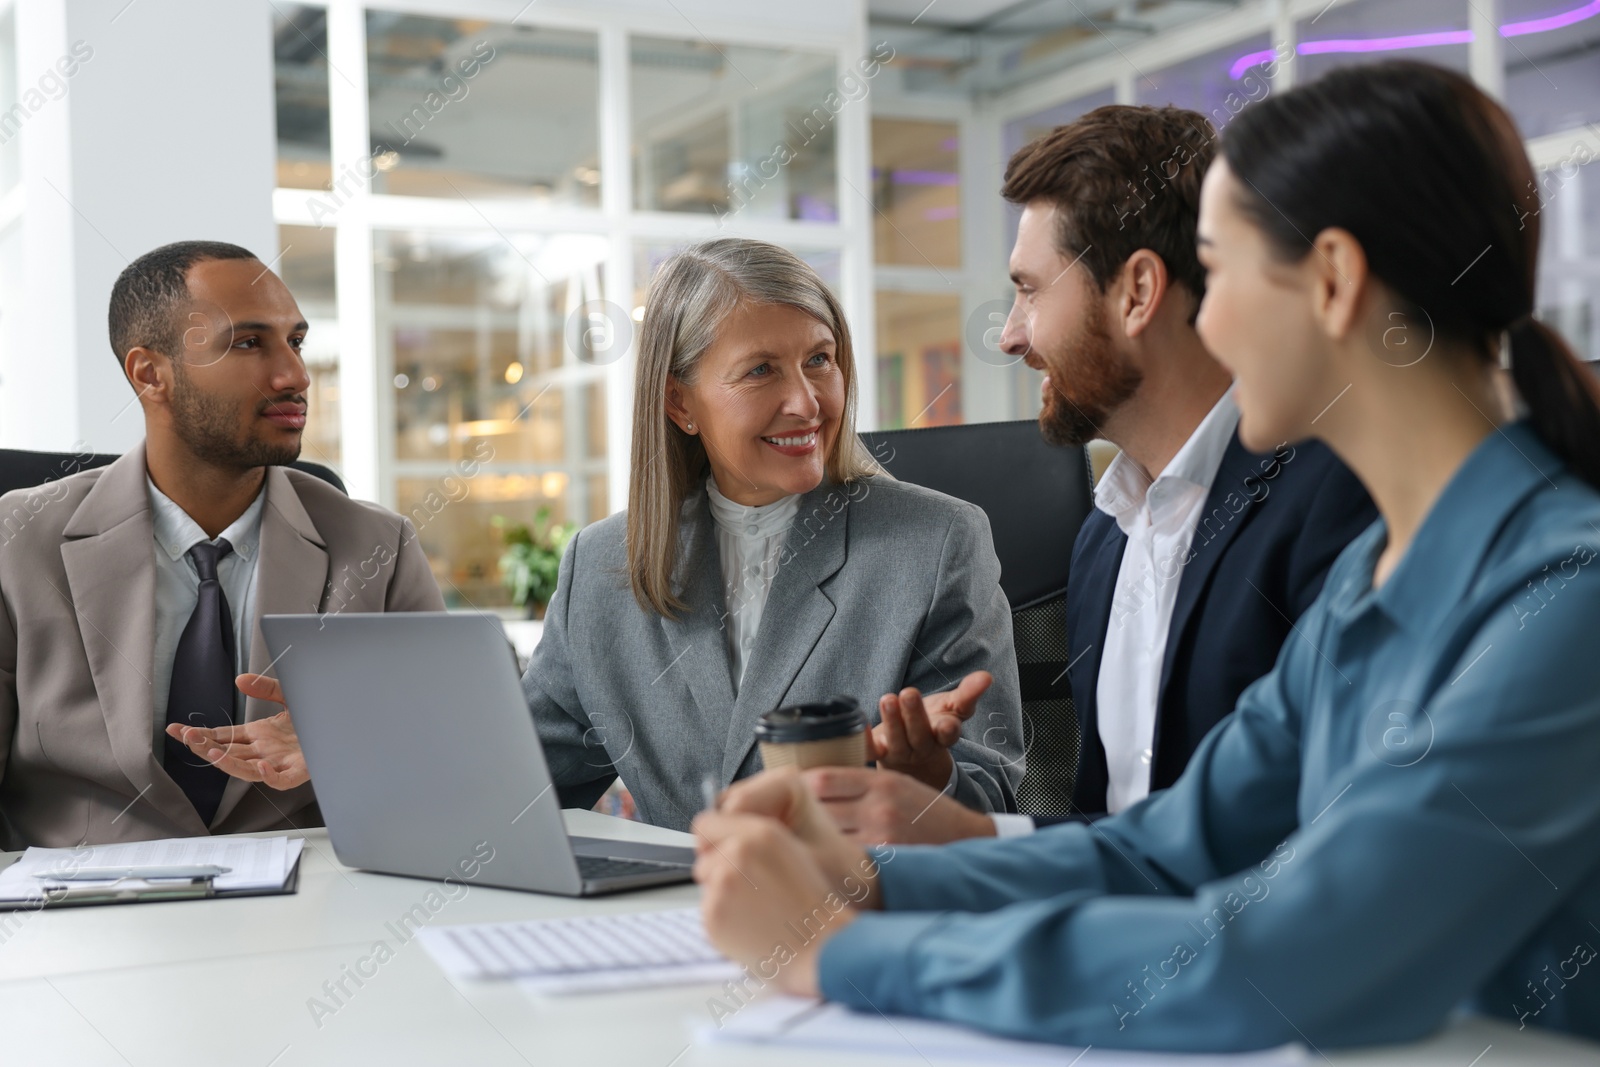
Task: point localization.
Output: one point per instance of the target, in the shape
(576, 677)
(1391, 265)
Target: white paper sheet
(793, 1022)
(257, 863)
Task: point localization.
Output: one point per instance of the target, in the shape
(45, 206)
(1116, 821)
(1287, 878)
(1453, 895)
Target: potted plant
(532, 558)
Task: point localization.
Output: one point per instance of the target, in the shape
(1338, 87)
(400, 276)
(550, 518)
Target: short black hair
(148, 292)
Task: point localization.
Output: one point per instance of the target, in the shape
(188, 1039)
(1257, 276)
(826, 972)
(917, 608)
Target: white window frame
(366, 427)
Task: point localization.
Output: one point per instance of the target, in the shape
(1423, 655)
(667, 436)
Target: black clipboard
(149, 893)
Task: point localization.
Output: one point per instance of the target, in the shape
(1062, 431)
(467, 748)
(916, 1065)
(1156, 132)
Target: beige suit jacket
(77, 644)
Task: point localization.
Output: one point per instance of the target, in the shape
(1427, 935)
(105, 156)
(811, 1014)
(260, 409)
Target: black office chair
(1036, 496)
(21, 469)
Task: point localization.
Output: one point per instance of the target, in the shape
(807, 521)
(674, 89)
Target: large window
(1219, 84)
(1546, 58)
(305, 263)
(919, 359)
(916, 193)
(983, 331)
(1552, 63)
(720, 129)
(476, 330)
(1366, 31)
(300, 62)
(463, 109)
(1569, 253)
(916, 184)
(470, 241)
(1020, 131)
(498, 388)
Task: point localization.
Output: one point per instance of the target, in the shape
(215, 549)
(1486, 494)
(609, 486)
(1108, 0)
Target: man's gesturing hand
(266, 750)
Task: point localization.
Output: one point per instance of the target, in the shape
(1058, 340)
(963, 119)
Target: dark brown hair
(1121, 178)
(1429, 174)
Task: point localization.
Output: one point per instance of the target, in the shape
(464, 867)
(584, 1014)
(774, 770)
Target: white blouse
(749, 542)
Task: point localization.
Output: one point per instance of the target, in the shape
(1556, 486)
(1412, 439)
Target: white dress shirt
(178, 589)
(1159, 519)
(749, 542)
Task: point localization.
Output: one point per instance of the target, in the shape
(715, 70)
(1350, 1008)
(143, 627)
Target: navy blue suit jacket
(1272, 526)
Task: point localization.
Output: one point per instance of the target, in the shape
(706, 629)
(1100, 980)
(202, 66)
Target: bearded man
(1188, 576)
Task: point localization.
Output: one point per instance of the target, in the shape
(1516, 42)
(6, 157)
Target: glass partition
(916, 184)
(736, 129)
(1367, 31)
(467, 108)
(919, 359)
(1569, 254)
(1218, 84)
(305, 263)
(1552, 56)
(300, 77)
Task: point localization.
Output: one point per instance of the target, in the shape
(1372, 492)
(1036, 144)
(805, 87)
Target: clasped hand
(778, 878)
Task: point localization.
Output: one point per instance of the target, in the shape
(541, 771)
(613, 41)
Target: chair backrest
(21, 469)
(1036, 496)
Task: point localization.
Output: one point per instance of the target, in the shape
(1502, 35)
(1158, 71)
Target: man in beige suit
(133, 593)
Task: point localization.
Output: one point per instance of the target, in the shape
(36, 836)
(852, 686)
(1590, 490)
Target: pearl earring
(689, 427)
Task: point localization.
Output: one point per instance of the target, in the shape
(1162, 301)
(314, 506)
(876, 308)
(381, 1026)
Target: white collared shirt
(1159, 519)
(178, 588)
(749, 542)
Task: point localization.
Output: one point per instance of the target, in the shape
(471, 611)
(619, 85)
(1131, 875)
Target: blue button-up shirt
(1402, 816)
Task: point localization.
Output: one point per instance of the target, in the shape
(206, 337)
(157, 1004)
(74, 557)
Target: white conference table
(232, 982)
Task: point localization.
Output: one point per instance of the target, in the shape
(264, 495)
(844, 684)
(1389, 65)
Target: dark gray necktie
(202, 690)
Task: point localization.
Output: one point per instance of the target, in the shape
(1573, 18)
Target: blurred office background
(468, 196)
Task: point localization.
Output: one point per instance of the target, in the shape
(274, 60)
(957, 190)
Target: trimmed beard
(1097, 381)
(209, 428)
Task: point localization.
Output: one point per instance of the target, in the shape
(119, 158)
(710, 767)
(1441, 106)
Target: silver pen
(112, 874)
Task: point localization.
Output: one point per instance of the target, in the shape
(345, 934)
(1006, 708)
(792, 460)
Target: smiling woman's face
(1257, 320)
(766, 400)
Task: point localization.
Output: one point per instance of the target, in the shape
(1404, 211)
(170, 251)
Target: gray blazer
(77, 646)
(880, 585)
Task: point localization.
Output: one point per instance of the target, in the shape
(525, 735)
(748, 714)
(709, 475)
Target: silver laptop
(426, 761)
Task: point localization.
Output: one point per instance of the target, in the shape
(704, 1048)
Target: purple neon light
(814, 209)
(1387, 44)
(1250, 59)
(1418, 40)
(1551, 22)
(919, 177)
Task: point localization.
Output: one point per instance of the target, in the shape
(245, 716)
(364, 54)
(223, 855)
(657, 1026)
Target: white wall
(164, 132)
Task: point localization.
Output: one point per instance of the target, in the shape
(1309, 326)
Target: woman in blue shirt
(1402, 817)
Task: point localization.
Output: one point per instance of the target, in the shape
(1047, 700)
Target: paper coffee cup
(828, 734)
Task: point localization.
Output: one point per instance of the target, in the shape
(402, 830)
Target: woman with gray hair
(764, 560)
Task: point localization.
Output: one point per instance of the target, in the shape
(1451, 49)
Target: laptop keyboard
(595, 868)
